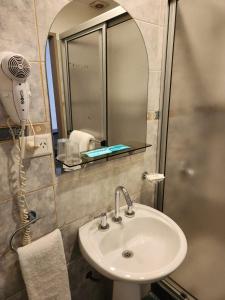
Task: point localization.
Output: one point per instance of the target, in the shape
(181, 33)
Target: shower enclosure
(193, 143)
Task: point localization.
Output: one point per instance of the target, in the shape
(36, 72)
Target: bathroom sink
(141, 249)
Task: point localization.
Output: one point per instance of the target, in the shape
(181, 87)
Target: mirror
(97, 73)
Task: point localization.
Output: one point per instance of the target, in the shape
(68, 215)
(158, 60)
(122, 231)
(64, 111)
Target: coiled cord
(21, 192)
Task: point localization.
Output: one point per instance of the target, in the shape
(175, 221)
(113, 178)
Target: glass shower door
(194, 193)
(126, 90)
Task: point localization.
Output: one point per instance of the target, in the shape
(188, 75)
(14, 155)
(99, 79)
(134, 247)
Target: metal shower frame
(167, 284)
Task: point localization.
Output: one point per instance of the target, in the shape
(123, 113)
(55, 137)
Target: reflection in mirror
(97, 72)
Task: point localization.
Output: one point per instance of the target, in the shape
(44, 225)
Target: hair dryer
(14, 89)
(15, 97)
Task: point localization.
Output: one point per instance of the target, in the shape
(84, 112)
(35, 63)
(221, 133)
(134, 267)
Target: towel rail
(32, 217)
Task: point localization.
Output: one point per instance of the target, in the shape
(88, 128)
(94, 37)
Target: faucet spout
(129, 212)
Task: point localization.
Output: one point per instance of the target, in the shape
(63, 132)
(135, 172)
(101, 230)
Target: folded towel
(44, 270)
(84, 139)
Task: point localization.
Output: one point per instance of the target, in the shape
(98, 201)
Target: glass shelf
(134, 148)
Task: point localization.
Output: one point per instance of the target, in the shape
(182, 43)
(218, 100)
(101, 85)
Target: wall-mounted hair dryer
(14, 89)
(15, 97)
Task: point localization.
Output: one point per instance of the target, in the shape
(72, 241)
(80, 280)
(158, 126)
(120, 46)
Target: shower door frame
(168, 284)
(66, 74)
(165, 99)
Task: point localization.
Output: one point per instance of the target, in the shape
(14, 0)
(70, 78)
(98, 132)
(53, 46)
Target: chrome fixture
(129, 212)
(153, 177)
(32, 218)
(104, 225)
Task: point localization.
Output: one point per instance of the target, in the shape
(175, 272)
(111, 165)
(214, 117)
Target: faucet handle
(104, 225)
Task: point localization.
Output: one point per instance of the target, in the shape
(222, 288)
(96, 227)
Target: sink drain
(127, 254)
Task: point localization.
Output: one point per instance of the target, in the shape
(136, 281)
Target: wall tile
(42, 202)
(144, 10)
(76, 199)
(3, 116)
(37, 103)
(84, 192)
(43, 35)
(45, 88)
(70, 238)
(146, 194)
(9, 171)
(152, 130)
(46, 11)
(154, 90)
(152, 138)
(153, 36)
(163, 14)
(17, 28)
(131, 176)
(9, 211)
(10, 276)
(38, 172)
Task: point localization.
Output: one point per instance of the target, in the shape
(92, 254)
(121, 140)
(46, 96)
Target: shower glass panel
(194, 194)
(85, 60)
(126, 90)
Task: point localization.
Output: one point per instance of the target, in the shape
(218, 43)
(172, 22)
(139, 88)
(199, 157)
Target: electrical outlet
(40, 145)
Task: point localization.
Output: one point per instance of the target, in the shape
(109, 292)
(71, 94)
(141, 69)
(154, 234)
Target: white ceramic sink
(157, 243)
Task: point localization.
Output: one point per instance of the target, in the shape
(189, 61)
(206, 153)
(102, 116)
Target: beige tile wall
(69, 200)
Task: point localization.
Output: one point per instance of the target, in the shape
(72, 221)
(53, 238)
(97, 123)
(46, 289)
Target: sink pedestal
(126, 291)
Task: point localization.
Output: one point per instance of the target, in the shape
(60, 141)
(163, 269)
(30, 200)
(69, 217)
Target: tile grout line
(96, 172)
(27, 193)
(34, 124)
(47, 116)
(40, 63)
(56, 213)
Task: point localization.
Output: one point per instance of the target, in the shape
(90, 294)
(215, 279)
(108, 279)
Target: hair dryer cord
(21, 192)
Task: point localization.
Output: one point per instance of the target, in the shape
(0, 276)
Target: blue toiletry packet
(118, 147)
(97, 152)
(106, 150)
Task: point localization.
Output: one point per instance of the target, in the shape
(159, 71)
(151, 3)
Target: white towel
(84, 139)
(44, 269)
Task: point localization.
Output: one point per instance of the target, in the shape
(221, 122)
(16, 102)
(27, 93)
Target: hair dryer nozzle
(14, 90)
(16, 67)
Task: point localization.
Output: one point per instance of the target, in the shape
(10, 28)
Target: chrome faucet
(129, 212)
